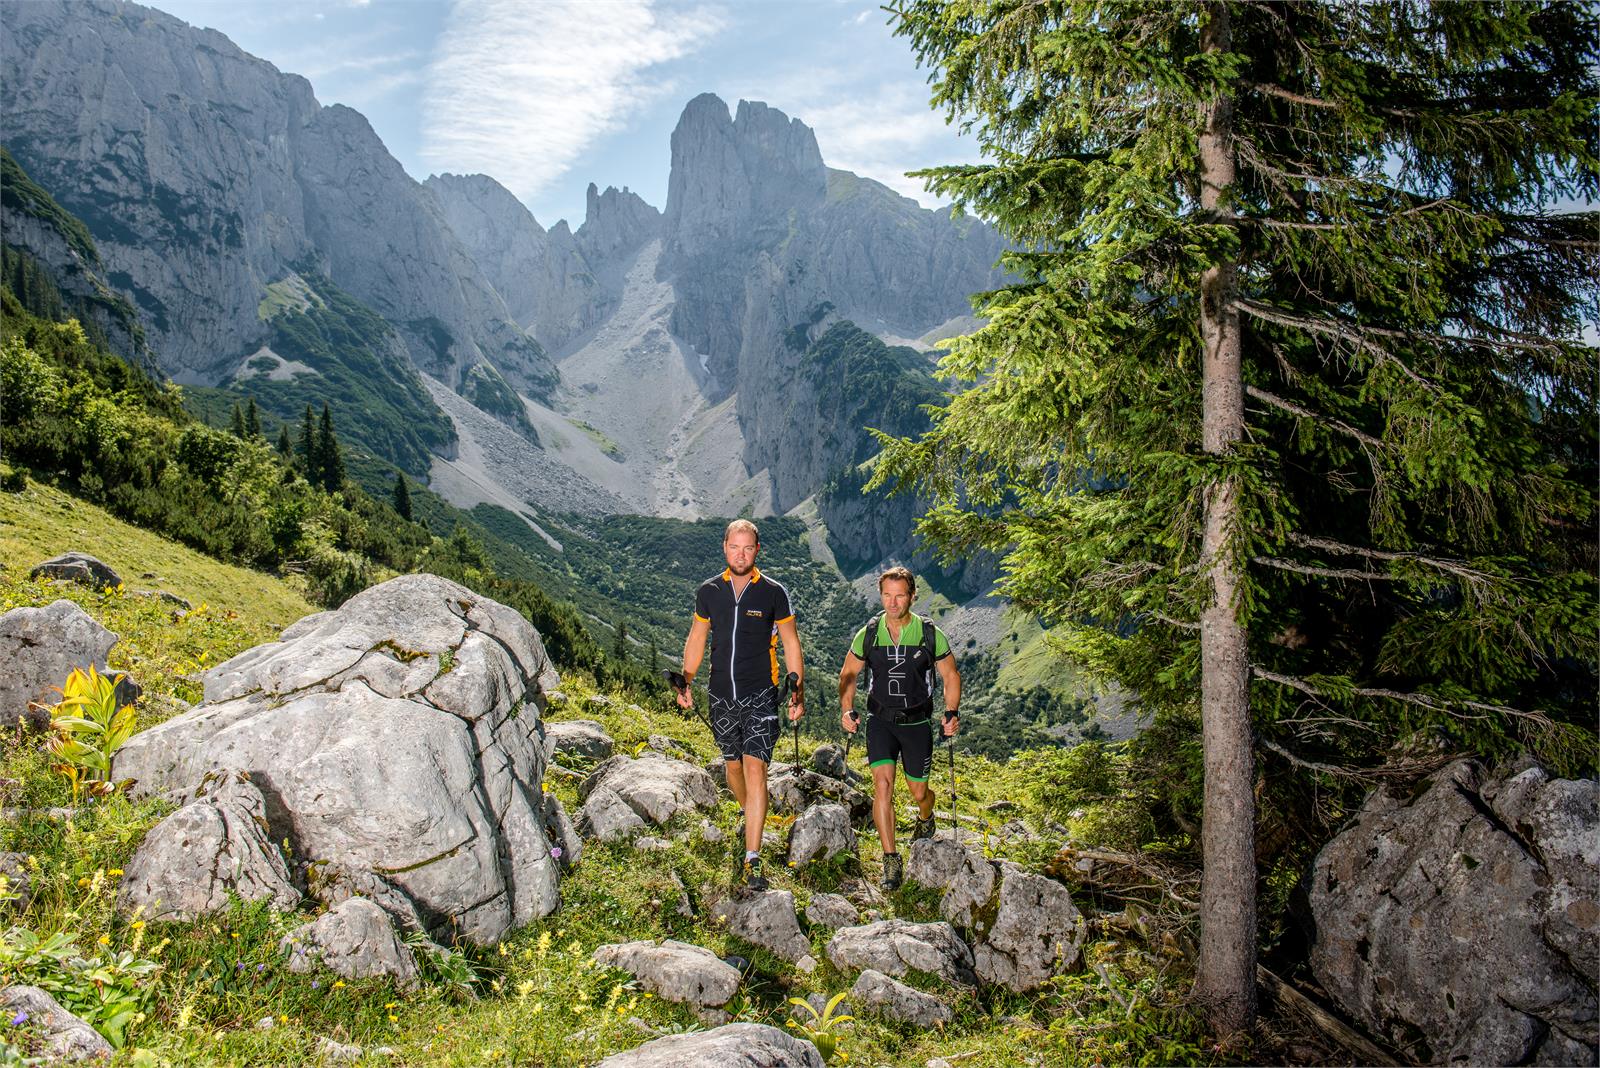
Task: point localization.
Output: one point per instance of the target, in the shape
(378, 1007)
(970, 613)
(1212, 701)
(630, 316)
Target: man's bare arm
(793, 662)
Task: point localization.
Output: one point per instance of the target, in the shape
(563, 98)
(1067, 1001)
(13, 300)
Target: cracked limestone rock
(77, 567)
(832, 910)
(583, 738)
(895, 947)
(766, 919)
(66, 1038)
(1460, 924)
(40, 647)
(395, 742)
(216, 845)
(821, 832)
(740, 1045)
(675, 971)
(354, 939)
(895, 1000)
(1023, 927)
(623, 795)
(796, 789)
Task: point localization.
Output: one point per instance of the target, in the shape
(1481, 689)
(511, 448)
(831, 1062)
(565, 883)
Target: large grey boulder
(624, 794)
(40, 647)
(893, 999)
(66, 1038)
(676, 971)
(766, 919)
(215, 846)
(79, 567)
(1023, 927)
(895, 947)
(582, 738)
(395, 741)
(741, 1045)
(1460, 923)
(354, 939)
(821, 832)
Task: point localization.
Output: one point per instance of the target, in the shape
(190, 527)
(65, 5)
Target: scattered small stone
(582, 738)
(675, 971)
(650, 843)
(337, 1052)
(821, 832)
(266, 1023)
(711, 834)
(806, 964)
(895, 947)
(354, 939)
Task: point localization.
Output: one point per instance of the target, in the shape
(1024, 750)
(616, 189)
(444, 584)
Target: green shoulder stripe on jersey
(916, 632)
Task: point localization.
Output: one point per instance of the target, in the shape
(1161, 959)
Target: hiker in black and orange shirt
(904, 652)
(745, 613)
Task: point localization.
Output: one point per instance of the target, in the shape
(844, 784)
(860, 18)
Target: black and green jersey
(902, 672)
(744, 631)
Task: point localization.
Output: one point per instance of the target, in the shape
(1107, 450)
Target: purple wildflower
(20, 1018)
(316, 984)
(239, 967)
(555, 851)
(261, 968)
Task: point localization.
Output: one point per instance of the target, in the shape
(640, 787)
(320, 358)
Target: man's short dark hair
(899, 574)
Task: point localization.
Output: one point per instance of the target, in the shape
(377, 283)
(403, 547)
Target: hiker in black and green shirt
(903, 651)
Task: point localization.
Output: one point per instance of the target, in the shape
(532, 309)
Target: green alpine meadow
(973, 533)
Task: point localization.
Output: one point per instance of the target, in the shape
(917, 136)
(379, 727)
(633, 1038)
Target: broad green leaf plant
(87, 727)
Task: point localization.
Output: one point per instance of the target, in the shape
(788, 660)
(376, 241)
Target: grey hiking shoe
(924, 828)
(753, 879)
(893, 871)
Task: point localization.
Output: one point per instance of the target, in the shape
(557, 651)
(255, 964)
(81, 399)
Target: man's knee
(919, 790)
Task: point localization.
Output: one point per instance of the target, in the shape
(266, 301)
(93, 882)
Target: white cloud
(519, 90)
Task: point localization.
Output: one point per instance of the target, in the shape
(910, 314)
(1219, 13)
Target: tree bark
(1226, 978)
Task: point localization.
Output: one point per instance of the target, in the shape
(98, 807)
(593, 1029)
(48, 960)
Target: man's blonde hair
(899, 574)
(741, 525)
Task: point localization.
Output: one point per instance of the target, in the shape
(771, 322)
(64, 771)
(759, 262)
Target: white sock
(751, 854)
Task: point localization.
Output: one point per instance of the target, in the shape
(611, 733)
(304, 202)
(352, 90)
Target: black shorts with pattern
(746, 725)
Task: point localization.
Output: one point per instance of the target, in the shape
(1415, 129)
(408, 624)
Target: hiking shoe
(893, 871)
(753, 879)
(923, 829)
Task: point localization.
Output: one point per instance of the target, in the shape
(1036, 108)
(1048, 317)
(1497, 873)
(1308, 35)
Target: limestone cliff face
(206, 174)
(767, 246)
(556, 284)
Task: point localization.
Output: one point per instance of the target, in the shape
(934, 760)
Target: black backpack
(865, 685)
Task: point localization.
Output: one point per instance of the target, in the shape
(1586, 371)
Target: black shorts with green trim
(910, 743)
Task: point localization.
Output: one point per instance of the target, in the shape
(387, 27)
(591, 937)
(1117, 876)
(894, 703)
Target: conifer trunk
(1225, 981)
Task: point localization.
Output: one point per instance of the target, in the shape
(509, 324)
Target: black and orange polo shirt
(744, 631)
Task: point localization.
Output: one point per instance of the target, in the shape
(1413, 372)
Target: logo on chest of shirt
(754, 612)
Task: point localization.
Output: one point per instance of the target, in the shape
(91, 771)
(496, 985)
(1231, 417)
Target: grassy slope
(537, 1000)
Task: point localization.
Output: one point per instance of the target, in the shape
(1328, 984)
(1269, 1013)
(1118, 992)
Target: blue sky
(549, 95)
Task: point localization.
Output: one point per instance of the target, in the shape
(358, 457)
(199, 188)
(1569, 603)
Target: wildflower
(234, 934)
(390, 1004)
(239, 967)
(393, 1018)
(114, 872)
(283, 1017)
(316, 984)
(502, 948)
(260, 968)
(20, 1018)
(105, 940)
(337, 983)
(83, 881)
(555, 852)
(137, 924)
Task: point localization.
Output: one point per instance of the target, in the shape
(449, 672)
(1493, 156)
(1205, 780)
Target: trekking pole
(792, 685)
(849, 740)
(950, 744)
(676, 680)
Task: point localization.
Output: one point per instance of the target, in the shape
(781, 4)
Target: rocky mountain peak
(615, 221)
(738, 175)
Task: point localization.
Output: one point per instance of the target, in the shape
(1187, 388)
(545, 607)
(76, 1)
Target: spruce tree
(285, 446)
(1285, 424)
(309, 454)
(619, 644)
(252, 421)
(237, 422)
(402, 497)
(328, 452)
